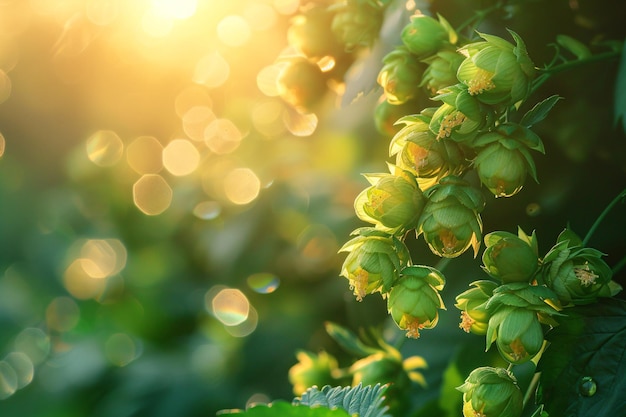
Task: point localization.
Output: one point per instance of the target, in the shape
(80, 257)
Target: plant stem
(479, 16)
(530, 389)
(618, 266)
(602, 215)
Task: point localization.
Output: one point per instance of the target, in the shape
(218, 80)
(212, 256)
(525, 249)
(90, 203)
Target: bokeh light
(222, 136)
(120, 349)
(242, 186)
(196, 120)
(263, 282)
(192, 96)
(8, 380)
(286, 6)
(230, 306)
(144, 155)
(34, 343)
(207, 210)
(23, 367)
(212, 70)
(102, 12)
(234, 30)
(152, 194)
(2, 144)
(62, 314)
(260, 16)
(181, 157)
(267, 80)
(247, 326)
(101, 258)
(104, 148)
(80, 284)
(300, 124)
(5, 86)
(176, 9)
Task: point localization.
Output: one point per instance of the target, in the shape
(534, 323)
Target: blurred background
(169, 226)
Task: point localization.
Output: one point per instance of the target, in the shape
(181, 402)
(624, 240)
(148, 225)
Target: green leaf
(589, 342)
(285, 409)
(620, 91)
(539, 111)
(451, 400)
(576, 47)
(364, 401)
(348, 340)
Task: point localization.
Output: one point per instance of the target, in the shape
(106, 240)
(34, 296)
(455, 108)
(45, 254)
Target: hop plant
(309, 35)
(442, 69)
(400, 76)
(503, 160)
(489, 391)
(496, 71)
(474, 315)
(578, 275)
(302, 84)
(313, 369)
(414, 301)
(393, 201)
(374, 261)
(450, 222)
(511, 258)
(461, 115)
(357, 22)
(419, 151)
(386, 115)
(424, 36)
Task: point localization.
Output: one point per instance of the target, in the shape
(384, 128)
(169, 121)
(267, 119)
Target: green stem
(618, 266)
(602, 215)
(546, 73)
(530, 389)
(479, 16)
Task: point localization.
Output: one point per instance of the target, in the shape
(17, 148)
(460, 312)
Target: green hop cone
(414, 301)
(461, 115)
(496, 71)
(418, 150)
(450, 222)
(578, 275)
(511, 258)
(302, 84)
(491, 392)
(393, 202)
(503, 159)
(357, 22)
(374, 261)
(471, 302)
(425, 36)
(386, 115)
(441, 70)
(312, 369)
(400, 76)
(517, 333)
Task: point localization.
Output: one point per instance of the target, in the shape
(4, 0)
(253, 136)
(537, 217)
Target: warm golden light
(79, 284)
(101, 258)
(181, 157)
(230, 306)
(286, 7)
(267, 80)
(234, 30)
(104, 148)
(152, 194)
(2, 144)
(207, 210)
(144, 155)
(212, 70)
(196, 120)
(242, 186)
(5, 86)
(102, 12)
(175, 9)
(192, 96)
(222, 136)
(260, 16)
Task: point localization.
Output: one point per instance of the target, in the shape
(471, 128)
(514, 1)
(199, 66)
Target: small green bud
(474, 315)
(414, 301)
(425, 36)
(496, 71)
(510, 258)
(400, 76)
(312, 369)
(419, 151)
(517, 332)
(357, 22)
(578, 275)
(394, 202)
(441, 70)
(386, 115)
(309, 35)
(503, 158)
(451, 221)
(302, 84)
(374, 261)
(491, 392)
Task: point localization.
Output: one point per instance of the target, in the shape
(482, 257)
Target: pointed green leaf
(364, 401)
(539, 111)
(348, 340)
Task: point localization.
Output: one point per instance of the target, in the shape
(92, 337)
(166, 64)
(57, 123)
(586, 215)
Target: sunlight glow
(286, 7)
(230, 306)
(2, 144)
(79, 284)
(207, 210)
(144, 155)
(181, 157)
(8, 380)
(104, 148)
(242, 186)
(234, 30)
(174, 9)
(152, 194)
(222, 136)
(5, 86)
(101, 258)
(102, 12)
(196, 120)
(212, 70)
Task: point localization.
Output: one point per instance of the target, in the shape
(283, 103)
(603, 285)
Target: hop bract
(461, 116)
(374, 261)
(312, 369)
(451, 221)
(357, 22)
(577, 275)
(400, 76)
(517, 333)
(474, 315)
(510, 258)
(491, 392)
(425, 36)
(414, 300)
(441, 70)
(419, 151)
(393, 201)
(496, 71)
(504, 160)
